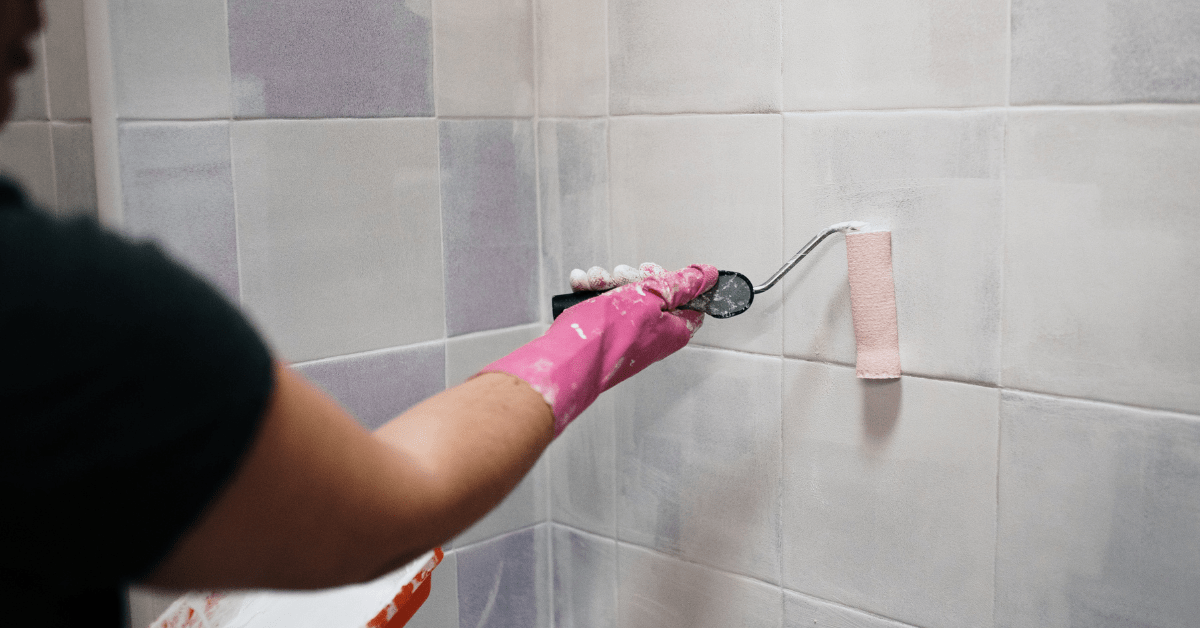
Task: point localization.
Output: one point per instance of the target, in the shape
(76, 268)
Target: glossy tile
(504, 582)
(889, 494)
(1098, 512)
(572, 65)
(26, 157)
(353, 59)
(573, 163)
(177, 184)
(66, 60)
(490, 224)
(485, 57)
(585, 579)
(698, 460)
(465, 355)
(935, 180)
(657, 591)
(441, 609)
(582, 463)
(884, 54)
(703, 189)
(1080, 51)
(30, 87)
(339, 233)
(377, 386)
(523, 507)
(801, 611)
(697, 56)
(74, 168)
(170, 59)
(1101, 255)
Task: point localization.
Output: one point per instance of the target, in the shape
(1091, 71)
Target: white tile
(465, 355)
(26, 157)
(1089, 51)
(66, 60)
(572, 60)
(441, 609)
(523, 507)
(698, 460)
(339, 233)
(30, 87)
(703, 189)
(1101, 264)
(694, 56)
(801, 611)
(505, 582)
(881, 54)
(170, 59)
(74, 168)
(146, 605)
(585, 579)
(889, 494)
(582, 462)
(484, 57)
(656, 591)
(934, 180)
(1098, 513)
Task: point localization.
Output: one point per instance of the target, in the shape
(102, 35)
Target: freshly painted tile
(581, 467)
(377, 386)
(465, 355)
(146, 605)
(484, 57)
(889, 494)
(698, 460)
(572, 65)
(170, 59)
(441, 609)
(316, 59)
(1083, 51)
(25, 157)
(1099, 296)
(523, 507)
(573, 163)
(585, 579)
(66, 60)
(656, 591)
(933, 179)
(703, 189)
(489, 224)
(339, 233)
(30, 87)
(881, 54)
(178, 190)
(74, 168)
(1098, 512)
(694, 56)
(801, 611)
(504, 582)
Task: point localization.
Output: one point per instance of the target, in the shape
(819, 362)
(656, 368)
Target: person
(152, 438)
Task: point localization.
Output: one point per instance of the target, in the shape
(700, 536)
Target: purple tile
(177, 183)
(313, 58)
(502, 582)
(379, 385)
(489, 224)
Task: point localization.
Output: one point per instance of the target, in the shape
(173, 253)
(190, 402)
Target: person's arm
(319, 501)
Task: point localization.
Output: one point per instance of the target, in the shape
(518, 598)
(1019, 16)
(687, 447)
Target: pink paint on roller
(873, 304)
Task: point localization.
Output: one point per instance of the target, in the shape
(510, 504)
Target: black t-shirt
(129, 391)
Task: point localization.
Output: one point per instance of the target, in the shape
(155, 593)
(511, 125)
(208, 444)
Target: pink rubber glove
(601, 342)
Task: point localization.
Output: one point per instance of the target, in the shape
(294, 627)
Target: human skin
(20, 21)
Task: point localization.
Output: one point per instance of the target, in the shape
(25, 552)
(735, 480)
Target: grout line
(372, 352)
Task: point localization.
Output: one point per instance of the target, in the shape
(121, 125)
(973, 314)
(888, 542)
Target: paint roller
(872, 296)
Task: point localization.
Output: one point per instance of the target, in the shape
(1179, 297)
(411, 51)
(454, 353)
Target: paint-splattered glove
(601, 342)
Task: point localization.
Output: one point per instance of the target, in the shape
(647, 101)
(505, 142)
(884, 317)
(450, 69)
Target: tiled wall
(392, 190)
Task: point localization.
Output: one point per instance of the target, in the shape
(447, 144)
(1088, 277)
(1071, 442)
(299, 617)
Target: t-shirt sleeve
(131, 391)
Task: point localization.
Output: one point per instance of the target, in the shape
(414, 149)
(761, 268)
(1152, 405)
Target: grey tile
(489, 224)
(360, 58)
(523, 507)
(656, 591)
(485, 57)
(582, 467)
(801, 611)
(170, 59)
(177, 184)
(698, 446)
(146, 605)
(74, 168)
(377, 386)
(465, 355)
(1100, 263)
(30, 87)
(889, 494)
(339, 233)
(1098, 516)
(573, 164)
(26, 157)
(1087, 51)
(572, 57)
(66, 60)
(504, 582)
(585, 579)
(441, 609)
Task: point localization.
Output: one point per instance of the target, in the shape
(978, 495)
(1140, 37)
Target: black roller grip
(561, 302)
